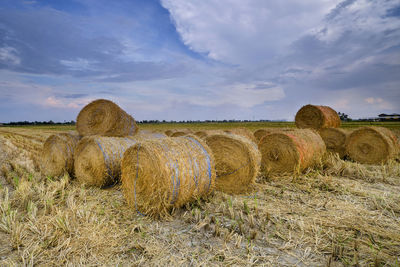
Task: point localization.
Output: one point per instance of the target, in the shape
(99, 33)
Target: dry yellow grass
(339, 214)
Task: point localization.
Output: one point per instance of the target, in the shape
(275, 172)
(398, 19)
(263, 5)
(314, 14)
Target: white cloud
(244, 31)
(9, 55)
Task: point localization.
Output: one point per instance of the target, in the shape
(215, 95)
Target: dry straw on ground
(161, 174)
(288, 152)
(242, 132)
(260, 133)
(335, 140)
(103, 117)
(372, 145)
(317, 117)
(237, 162)
(58, 154)
(98, 159)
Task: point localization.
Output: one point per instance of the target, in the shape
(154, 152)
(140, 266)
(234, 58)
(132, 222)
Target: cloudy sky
(199, 59)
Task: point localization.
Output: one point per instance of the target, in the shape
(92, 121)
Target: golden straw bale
(291, 151)
(237, 162)
(335, 140)
(98, 159)
(317, 117)
(58, 154)
(260, 133)
(242, 132)
(372, 145)
(161, 174)
(103, 117)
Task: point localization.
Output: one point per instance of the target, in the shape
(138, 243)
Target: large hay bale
(242, 132)
(98, 159)
(317, 117)
(289, 152)
(260, 133)
(58, 154)
(103, 117)
(237, 162)
(372, 145)
(335, 140)
(158, 175)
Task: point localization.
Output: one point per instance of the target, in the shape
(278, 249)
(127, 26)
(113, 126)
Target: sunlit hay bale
(161, 174)
(372, 145)
(58, 154)
(181, 132)
(103, 117)
(242, 132)
(260, 133)
(98, 159)
(335, 140)
(237, 162)
(317, 117)
(291, 151)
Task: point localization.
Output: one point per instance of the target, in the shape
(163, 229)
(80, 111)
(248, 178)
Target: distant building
(389, 117)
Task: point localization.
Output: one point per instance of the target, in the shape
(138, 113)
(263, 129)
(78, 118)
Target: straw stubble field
(340, 213)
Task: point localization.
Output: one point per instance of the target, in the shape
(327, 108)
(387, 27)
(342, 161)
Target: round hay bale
(372, 145)
(260, 133)
(317, 117)
(335, 140)
(289, 152)
(242, 132)
(158, 175)
(237, 162)
(103, 117)
(98, 159)
(58, 154)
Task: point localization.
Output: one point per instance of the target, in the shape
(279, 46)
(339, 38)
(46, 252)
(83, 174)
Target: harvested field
(338, 214)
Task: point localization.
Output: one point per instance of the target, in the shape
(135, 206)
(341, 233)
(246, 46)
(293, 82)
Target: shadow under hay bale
(335, 140)
(98, 159)
(290, 152)
(103, 117)
(237, 162)
(242, 132)
(158, 175)
(58, 154)
(372, 145)
(317, 117)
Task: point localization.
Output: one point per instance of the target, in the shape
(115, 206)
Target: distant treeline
(50, 122)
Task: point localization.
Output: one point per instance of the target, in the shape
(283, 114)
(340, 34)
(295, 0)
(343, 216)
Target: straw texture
(237, 162)
(158, 175)
(103, 117)
(317, 117)
(290, 152)
(58, 154)
(372, 145)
